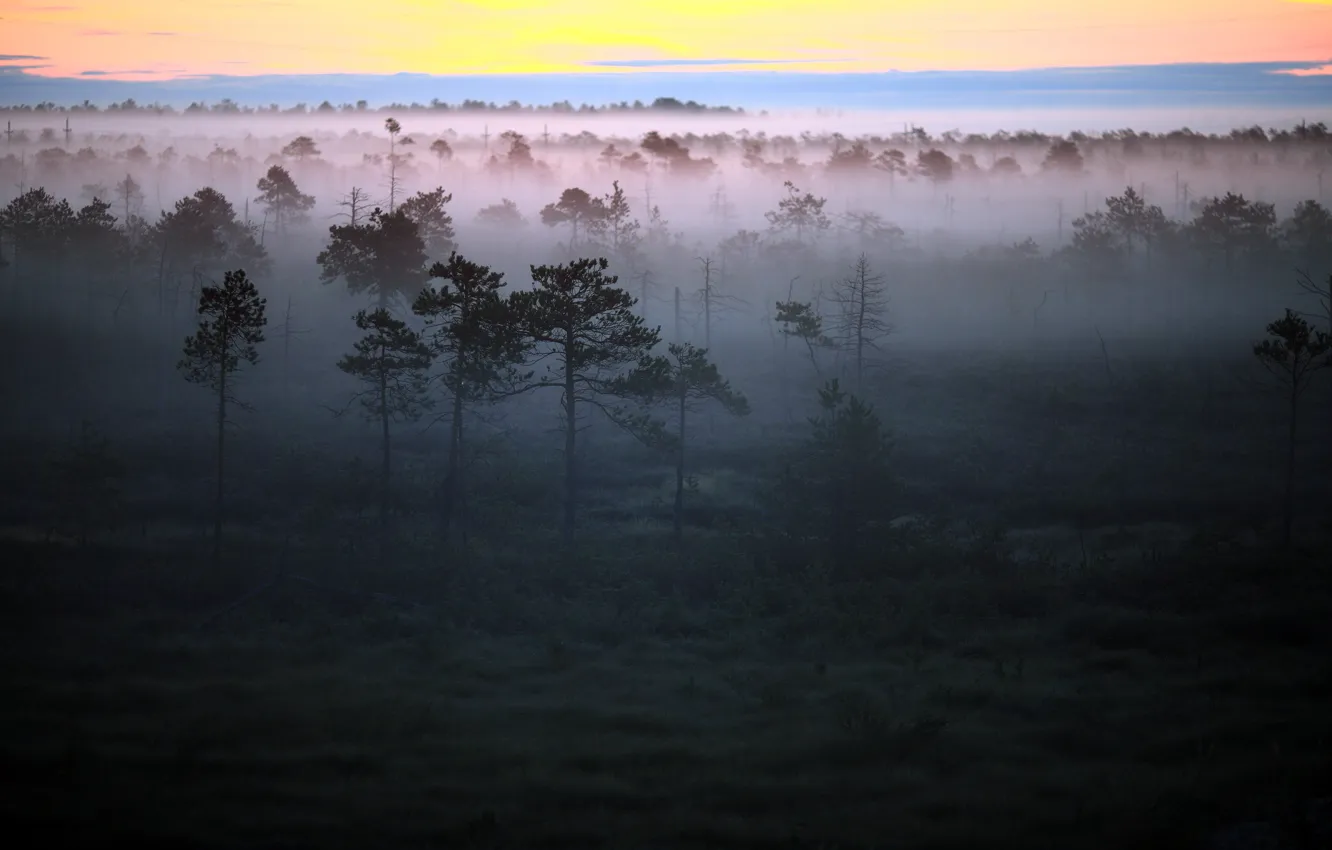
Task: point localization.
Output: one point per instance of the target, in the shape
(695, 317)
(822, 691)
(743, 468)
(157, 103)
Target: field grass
(1079, 634)
(969, 706)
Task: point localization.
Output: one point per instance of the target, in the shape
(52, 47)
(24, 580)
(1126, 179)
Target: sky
(149, 41)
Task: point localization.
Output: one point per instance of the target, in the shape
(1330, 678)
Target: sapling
(799, 319)
(684, 379)
(848, 463)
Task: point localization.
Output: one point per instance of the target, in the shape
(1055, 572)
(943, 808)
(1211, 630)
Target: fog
(219, 121)
(941, 221)
(849, 121)
(1057, 442)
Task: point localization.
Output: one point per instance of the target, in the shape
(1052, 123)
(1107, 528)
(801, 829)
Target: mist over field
(996, 188)
(668, 477)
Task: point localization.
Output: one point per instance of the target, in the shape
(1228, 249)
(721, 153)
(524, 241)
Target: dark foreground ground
(1090, 638)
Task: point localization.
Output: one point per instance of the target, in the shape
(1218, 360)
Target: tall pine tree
(230, 329)
(469, 327)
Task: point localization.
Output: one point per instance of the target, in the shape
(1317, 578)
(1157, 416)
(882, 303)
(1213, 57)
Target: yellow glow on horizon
(155, 39)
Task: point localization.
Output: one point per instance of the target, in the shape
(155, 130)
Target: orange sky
(145, 39)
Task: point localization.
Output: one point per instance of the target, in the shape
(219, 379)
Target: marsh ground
(1085, 635)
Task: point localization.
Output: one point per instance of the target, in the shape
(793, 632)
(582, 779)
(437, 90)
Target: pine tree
(623, 231)
(97, 248)
(800, 213)
(300, 148)
(589, 330)
(1307, 234)
(505, 214)
(470, 327)
(230, 329)
(385, 257)
(202, 235)
(38, 228)
(1135, 220)
(393, 362)
(685, 378)
(1233, 226)
(1294, 353)
(799, 320)
(848, 470)
(442, 151)
(393, 128)
(430, 212)
(129, 198)
(282, 199)
(577, 209)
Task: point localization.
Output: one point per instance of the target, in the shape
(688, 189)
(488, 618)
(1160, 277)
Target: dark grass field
(1080, 632)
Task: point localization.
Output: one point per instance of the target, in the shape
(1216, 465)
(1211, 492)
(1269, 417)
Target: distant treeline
(227, 106)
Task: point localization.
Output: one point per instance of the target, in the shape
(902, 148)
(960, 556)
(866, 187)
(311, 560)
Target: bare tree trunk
(161, 317)
(457, 493)
(1288, 508)
(386, 470)
(677, 314)
(860, 334)
(221, 446)
(679, 472)
(393, 175)
(707, 304)
(813, 358)
(570, 433)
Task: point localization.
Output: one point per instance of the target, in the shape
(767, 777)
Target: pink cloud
(1319, 71)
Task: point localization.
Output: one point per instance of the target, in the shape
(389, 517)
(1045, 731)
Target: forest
(657, 482)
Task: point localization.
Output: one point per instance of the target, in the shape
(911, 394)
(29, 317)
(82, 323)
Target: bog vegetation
(693, 489)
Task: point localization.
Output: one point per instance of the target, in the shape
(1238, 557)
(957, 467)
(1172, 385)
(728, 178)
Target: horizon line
(632, 68)
(1307, 85)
